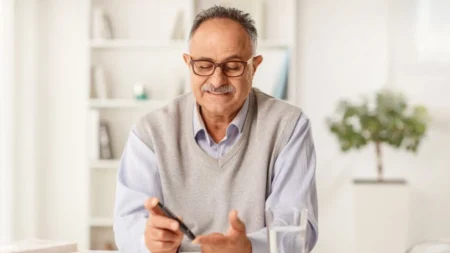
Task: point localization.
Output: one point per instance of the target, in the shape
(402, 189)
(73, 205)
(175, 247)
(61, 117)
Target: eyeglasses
(229, 68)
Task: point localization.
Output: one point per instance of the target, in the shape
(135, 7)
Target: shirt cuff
(143, 246)
(311, 237)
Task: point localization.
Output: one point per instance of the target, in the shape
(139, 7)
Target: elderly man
(219, 156)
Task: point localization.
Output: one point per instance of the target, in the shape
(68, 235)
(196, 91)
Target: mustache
(226, 88)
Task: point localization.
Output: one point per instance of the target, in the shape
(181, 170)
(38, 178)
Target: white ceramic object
(381, 213)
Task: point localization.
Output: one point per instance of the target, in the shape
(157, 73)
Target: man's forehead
(218, 38)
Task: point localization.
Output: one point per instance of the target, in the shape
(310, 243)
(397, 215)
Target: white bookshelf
(169, 44)
(125, 103)
(105, 164)
(273, 44)
(124, 44)
(143, 50)
(101, 222)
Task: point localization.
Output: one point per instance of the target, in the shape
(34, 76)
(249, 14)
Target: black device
(183, 226)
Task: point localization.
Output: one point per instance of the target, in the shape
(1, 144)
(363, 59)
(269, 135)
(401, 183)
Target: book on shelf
(101, 24)
(272, 77)
(178, 28)
(100, 88)
(280, 87)
(95, 135)
(105, 141)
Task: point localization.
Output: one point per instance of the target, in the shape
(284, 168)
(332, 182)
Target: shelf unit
(124, 43)
(101, 222)
(105, 164)
(125, 103)
(158, 45)
(142, 51)
(139, 37)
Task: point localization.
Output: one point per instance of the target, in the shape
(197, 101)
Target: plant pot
(381, 213)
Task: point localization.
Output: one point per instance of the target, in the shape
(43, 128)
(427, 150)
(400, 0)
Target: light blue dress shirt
(293, 181)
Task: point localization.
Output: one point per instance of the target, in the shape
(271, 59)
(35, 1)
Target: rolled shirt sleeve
(293, 184)
(137, 179)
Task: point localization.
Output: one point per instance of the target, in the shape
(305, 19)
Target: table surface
(103, 251)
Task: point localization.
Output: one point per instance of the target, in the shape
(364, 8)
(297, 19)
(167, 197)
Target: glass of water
(286, 229)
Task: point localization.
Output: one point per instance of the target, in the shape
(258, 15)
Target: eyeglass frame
(219, 64)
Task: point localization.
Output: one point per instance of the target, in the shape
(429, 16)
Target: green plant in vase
(386, 120)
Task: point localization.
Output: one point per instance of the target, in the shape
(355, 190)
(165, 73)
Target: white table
(104, 251)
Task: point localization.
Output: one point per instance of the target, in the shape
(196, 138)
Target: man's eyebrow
(232, 57)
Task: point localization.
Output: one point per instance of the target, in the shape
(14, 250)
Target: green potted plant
(389, 121)
(381, 207)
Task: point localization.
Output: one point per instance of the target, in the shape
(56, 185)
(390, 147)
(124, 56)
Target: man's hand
(162, 234)
(234, 241)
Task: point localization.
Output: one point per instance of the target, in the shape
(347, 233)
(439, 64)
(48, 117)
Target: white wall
(25, 120)
(344, 52)
(6, 120)
(50, 178)
(63, 176)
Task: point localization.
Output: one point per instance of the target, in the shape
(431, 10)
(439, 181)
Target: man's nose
(218, 78)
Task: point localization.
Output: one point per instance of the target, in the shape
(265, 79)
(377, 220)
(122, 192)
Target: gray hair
(244, 19)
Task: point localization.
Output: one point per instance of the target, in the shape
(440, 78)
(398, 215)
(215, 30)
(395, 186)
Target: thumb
(236, 224)
(151, 205)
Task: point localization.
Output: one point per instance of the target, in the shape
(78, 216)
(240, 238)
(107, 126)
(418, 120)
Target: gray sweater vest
(203, 190)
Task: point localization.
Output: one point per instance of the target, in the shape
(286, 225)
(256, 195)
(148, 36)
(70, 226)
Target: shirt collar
(238, 121)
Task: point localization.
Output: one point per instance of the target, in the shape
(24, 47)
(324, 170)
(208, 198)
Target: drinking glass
(286, 229)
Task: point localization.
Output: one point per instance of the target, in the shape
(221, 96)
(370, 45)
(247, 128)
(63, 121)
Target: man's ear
(256, 61)
(186, 59)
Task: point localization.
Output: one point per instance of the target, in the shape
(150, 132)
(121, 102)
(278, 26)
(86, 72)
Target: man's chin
(217, 107)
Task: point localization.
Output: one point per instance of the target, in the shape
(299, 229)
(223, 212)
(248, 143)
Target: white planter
(381, 213)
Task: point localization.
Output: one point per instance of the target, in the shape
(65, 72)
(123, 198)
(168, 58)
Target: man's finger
(235, 222)
(163, 222)
(151, 205)
(215, 238)
(163, 235)
(164, 245)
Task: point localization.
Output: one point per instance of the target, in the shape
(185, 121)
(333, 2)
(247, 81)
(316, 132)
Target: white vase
(381, 213)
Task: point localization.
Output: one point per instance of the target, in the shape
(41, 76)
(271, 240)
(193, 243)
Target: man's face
(221, 40)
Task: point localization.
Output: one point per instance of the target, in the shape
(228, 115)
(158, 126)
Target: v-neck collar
(246, 123)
